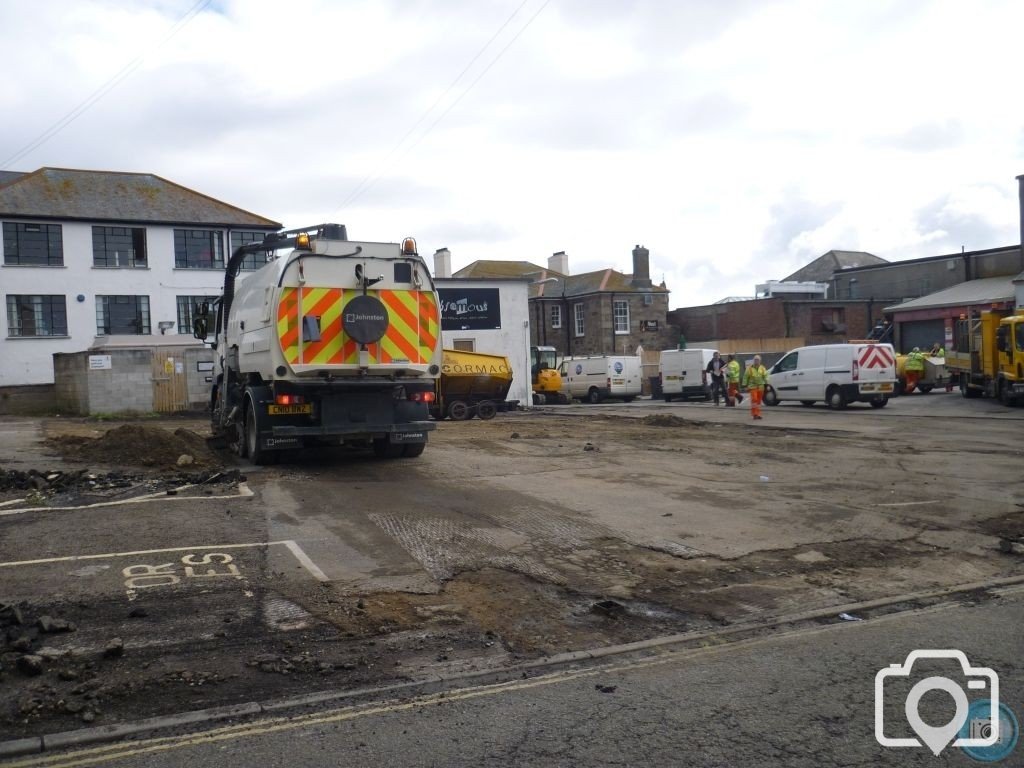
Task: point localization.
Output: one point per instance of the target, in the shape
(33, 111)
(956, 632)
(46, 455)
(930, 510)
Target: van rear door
(875, 365)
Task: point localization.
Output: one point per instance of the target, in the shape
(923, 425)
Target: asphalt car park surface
(557, 529)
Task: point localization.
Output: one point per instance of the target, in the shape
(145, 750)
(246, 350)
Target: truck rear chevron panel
(412, 334)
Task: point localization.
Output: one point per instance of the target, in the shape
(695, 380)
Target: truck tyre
(965, 387)
(383, 448)
(925, 388)
(412, 450)
(770, 397)
(486, 410)
(458, 410)
(563, 399)
(1005, 396)
(593, 396)
(879, 402)
(257, 454)
(835, 398)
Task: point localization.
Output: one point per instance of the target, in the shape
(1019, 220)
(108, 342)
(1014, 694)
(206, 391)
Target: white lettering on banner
(462, 307)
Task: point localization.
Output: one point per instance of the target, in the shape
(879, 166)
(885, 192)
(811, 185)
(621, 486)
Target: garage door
(921, 333)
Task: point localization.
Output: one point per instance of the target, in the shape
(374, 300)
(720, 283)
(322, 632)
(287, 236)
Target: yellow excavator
(545, 378)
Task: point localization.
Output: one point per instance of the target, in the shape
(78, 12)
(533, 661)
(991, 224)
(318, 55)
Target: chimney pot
(442, 263)
(641, 267)
(559, 262)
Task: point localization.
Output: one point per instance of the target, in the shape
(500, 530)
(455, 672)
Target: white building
(93, 253)
(488, 315)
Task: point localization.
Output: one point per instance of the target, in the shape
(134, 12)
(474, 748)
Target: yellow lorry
(472, 384)
(988, 358)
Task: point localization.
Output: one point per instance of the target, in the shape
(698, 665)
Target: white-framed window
(464, 345)
(36, 316)
(556, 315)
(577, 310)
(620, 310)
(122, 315)
(648, 299)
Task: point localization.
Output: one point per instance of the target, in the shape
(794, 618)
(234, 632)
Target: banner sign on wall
(470, 309)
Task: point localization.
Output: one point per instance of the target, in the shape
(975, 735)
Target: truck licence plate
(289, 410)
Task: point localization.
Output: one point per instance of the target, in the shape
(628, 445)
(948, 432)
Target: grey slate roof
(987, 290)
(144, 198)
(820, 270)
(6, 177)
(607, 280)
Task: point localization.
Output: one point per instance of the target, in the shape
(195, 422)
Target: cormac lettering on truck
(331, 342)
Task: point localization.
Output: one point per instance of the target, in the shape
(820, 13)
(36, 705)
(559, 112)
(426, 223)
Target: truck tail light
(289, 400)
(422, 397)
(856, 371)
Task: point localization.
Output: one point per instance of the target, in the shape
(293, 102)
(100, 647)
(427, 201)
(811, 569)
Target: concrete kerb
(435, 683)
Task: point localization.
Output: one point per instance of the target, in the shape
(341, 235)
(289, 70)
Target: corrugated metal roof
(61, 193)
(987, 290)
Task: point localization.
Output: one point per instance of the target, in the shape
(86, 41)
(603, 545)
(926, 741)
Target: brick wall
(774, 318)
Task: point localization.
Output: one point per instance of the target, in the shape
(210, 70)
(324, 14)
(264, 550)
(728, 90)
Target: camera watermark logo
(970, 736)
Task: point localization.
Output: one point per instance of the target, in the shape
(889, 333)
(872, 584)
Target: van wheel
(593, 396)
(458, 411)
(770, 397)
(806, 403)
(880, 402)
(485, 410)
(835, 398)
(666, 398)
(627, 399)
(924, 389)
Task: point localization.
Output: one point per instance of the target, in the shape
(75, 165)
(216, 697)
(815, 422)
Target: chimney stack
(559, 262)
(442, 263)
(641, 267)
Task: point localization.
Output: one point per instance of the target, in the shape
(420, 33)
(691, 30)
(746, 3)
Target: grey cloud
(790, 217)
(948, 229)
(925, 137)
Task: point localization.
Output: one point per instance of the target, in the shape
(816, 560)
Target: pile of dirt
(140, 445)
(663, 420)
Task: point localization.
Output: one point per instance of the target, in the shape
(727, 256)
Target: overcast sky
(736, 140)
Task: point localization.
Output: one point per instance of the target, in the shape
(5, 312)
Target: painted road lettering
(211, 565)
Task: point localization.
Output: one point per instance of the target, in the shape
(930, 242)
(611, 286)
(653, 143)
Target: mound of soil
(139, 445)
(663, 420)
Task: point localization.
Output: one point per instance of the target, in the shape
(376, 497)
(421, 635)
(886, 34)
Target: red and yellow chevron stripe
(412, 335)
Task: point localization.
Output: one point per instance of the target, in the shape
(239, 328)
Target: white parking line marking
(292, 547)
(244, 491)
(303, 558)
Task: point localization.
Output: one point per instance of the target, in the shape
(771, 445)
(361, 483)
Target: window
(36, 316)
(252, 260)
(648, 299)
(122, 315)
(464, 345)
(620, 310)
(33, 244)
(198, 249)
(188, 308)
(556, 315)
(578, 315)
(1020, 337)
(118, 247)
(788, 363)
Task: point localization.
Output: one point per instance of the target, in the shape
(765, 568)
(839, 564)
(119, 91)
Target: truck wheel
(486, 410)
(965, 387)
(459, 411)
(924, 389)
(835, 398)
(412, 450)
(257, 454)
(770, 397)
(1005, 396)
(383, 448)
(879, 402)
(593, 396)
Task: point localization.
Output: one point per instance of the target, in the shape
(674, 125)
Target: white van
(837, 374)
(683, 373)
(595, 378)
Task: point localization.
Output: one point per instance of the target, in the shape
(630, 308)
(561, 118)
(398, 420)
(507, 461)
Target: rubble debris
(606, 688)
(609, 608)
(114, 649)
(139, 445)
(662, 420)
(50, 625)
(30, 664)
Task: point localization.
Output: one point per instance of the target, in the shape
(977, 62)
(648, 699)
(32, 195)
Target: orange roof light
(409, 247)
(302, 240)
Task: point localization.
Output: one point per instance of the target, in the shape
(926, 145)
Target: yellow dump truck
(988, 355)
(935, 375)
(472, 384)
